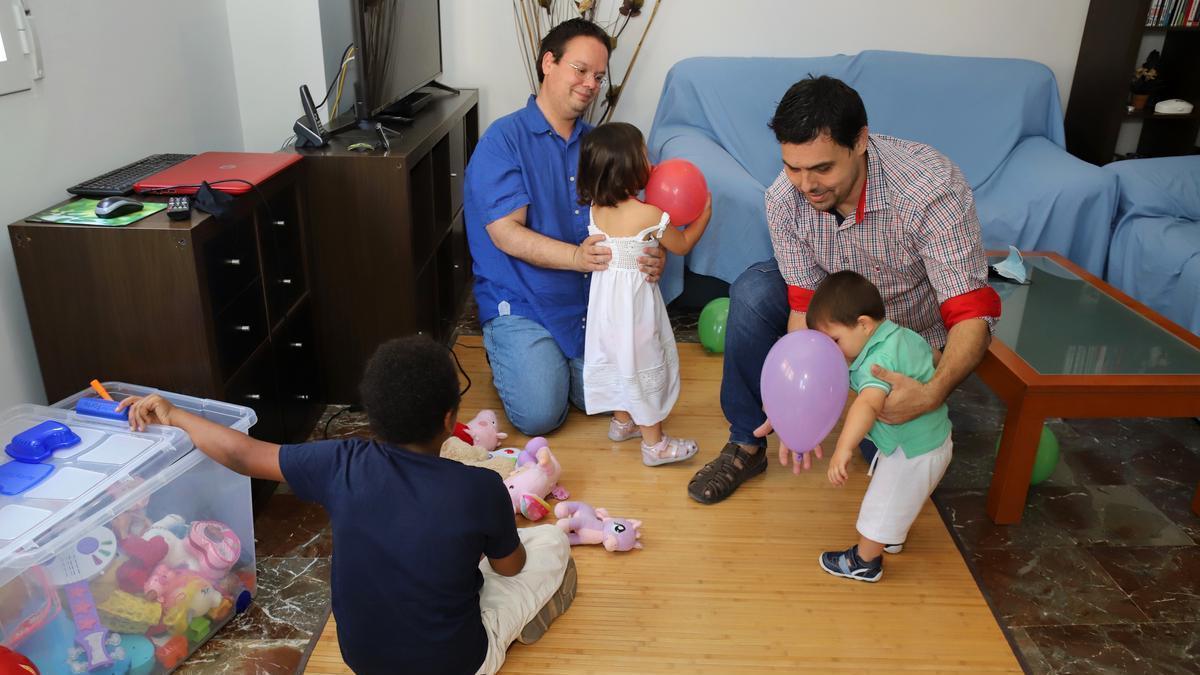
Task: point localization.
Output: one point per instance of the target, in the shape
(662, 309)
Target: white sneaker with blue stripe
(847, 564)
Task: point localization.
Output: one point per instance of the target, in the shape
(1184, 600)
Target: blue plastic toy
(40, 441)
(17, 477)
(98, 407)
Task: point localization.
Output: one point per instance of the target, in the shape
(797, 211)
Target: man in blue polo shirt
(528, 234)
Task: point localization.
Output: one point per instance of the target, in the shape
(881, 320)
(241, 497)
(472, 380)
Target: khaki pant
(508, 603)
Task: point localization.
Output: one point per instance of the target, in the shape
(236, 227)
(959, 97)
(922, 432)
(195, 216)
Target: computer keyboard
(120, 181)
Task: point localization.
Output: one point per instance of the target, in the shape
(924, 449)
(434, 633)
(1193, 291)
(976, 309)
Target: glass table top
(1062, 325)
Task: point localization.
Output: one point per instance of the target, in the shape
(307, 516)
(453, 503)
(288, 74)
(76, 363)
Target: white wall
(128, 78)
(124, 79)
(276, 47)
(480, 47)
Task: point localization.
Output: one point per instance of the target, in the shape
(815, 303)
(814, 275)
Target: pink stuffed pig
(585, 525)
(484, 430)
(529, 484)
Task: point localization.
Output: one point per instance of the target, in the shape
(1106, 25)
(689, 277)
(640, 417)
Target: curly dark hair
(556, 40)
(612, 164)
(819, 105)
(843, 297)
(408, 387)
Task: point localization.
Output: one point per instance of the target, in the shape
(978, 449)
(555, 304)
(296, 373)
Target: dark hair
(612, 164)
(819, 105)
(408, 387)
(556, 40)
(842, 298)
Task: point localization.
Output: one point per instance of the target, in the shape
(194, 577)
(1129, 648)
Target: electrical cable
(461, 370)
(337, 101)
(343, 66)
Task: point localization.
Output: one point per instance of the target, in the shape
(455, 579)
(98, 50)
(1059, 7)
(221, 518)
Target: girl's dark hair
(408, 387)
(556, 40)
(612, 164)
(819, 105)
(842, 298)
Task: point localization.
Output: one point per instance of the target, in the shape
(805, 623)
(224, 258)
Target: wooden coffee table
(1070, 345)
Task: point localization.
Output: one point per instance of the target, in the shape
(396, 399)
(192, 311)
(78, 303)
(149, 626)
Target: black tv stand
(446, 88)
(410, 105)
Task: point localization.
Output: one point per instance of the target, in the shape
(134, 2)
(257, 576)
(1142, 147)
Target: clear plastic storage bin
(121, 552)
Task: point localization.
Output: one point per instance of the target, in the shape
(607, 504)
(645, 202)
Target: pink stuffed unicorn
(529, 484)
(585, 525)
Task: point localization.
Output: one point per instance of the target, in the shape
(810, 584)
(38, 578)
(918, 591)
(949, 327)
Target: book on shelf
(1173, 14)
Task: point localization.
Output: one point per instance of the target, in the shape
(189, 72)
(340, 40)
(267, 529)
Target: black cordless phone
(309, 130)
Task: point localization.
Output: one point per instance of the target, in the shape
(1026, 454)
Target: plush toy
(172, 529)
(195, 598)
(529, 454)
(529, 484)
(459, 450)
(143, 555)
(585, 525)
(483, 430)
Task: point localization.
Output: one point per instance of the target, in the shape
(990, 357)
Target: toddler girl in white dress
(630, 365)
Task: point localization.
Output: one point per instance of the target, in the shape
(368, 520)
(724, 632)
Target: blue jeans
(758, 316)
(534, 378)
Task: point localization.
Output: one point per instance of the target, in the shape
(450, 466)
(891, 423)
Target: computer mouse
(111, 207)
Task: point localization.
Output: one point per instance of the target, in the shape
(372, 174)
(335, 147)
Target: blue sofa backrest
(974, 110)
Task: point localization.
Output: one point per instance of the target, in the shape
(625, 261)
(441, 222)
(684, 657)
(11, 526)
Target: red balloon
(677, 187)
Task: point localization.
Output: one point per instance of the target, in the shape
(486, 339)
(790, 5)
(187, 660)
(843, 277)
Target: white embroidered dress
(629, 360)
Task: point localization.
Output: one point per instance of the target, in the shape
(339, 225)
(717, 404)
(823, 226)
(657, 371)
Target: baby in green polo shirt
(913, 456)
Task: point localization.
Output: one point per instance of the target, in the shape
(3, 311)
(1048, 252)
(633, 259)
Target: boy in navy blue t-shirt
(410, 590)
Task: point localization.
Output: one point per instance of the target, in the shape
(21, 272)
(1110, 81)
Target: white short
(898, 490)
(508, 603)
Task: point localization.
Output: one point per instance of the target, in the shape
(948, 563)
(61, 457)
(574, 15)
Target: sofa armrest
(1043, 198)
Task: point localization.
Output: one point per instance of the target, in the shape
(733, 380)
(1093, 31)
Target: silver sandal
(669, 450)
(618, 432)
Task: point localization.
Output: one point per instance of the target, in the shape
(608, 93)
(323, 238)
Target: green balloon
(1046, 458)
(712, 325)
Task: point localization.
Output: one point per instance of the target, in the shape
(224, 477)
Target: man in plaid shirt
(897, 212)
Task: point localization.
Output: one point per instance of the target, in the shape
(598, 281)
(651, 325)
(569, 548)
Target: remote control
(179, 207)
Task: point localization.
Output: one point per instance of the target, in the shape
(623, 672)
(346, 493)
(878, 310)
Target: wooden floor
(735, 587)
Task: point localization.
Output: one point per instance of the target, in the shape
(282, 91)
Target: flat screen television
(398, 51)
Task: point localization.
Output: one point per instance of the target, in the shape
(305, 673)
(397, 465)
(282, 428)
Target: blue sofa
(1155, 251)
(998, 119)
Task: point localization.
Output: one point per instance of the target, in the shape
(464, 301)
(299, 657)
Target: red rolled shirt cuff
(979, 303)
(798, 298)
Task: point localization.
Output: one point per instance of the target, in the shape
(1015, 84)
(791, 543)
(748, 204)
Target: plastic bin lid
(235, 417)
(89, 482)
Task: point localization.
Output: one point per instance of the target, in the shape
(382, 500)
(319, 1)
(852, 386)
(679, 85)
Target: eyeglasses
(600, 78)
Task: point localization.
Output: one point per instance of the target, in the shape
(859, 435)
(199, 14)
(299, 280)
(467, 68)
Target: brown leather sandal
(720, 477)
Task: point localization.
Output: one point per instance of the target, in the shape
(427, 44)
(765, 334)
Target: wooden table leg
(1014, 462)
(1196, 502)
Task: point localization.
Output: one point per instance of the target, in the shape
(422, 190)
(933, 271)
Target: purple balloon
(804, 382)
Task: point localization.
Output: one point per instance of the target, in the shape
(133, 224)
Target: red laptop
(234, 172)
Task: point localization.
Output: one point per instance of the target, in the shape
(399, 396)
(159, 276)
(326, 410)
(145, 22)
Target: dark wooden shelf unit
(388, 244)
(1108, 57)
(212, 308)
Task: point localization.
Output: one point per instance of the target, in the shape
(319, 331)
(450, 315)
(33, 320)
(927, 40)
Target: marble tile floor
(1101, 576)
